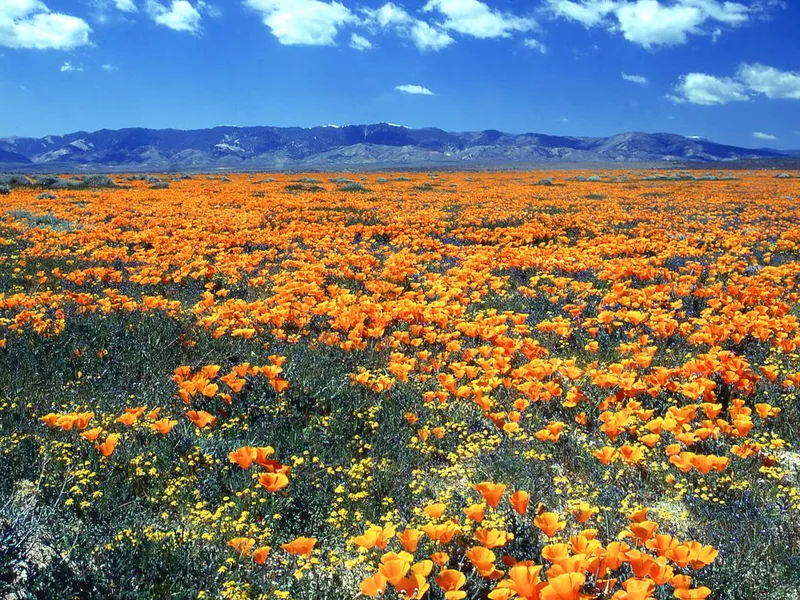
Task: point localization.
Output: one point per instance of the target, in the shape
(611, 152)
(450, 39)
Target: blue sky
(728, 71)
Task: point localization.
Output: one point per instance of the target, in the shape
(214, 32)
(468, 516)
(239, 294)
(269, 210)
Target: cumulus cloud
(476, 19)
(763, 136)
(303, 22)
(638, 79)
(125, 5)
(395, 18)
(535, 45)
(588, 13)
(30, 24)
(699, 88)
(109, 68)
(770, 81)
(751, 79)
(180, 16)
(651, 23)
(414, 89)
(68, 67)
(359, 42)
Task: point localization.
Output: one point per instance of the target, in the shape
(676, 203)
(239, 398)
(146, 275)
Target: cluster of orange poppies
(580, 568)
(649, 326)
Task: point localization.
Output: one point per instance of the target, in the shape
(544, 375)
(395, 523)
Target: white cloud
(651, 22)
(750, 80)
(474, 18)
(390, 14)
(30, 24)
(424, 36)
(589, 12)
(699, 88)
(638, 79)
(535, 45)
(110, 68)
(763, 136)
(648, 23)
(303, 22)
(180, 16)
(359, 42)
(414, 89)
(68, 67)
(770, 81)
(467, 17)
(125, 5)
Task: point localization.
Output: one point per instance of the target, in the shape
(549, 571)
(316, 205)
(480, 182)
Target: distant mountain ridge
(330, 146)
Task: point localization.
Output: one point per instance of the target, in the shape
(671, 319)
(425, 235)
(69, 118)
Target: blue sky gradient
(728, 71)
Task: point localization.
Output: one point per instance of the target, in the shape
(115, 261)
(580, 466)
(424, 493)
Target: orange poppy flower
(555, 553)
(414, 586)
(584, 512)
(661, 543)
(242, 546)
(641, 563)
(409, 539)
(301, 546)
(108, 446)
(482, 559)
(451, 582)
(394, 568)
(273, 481)
(566, 586)
(434, 511)
(642, 531)
(260, 554)
(92, 434)
(605, 455)
(493, 538)
(519, 500)
(201, 418)
(639, 516)
(164, 426)
(549, 523)
(127, 419)
(692, 594)
(681, 555)
(475, 512)
(373, 586)
(243, 456)
(492, 492)
(50, 419)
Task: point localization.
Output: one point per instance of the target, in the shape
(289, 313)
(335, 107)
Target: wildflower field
(483, 385)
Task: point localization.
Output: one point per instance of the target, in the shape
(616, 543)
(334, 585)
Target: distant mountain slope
(381, 144)
(7, 157)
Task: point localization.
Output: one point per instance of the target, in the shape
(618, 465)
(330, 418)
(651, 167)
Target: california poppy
(519, 500)
(302, 546)
(492, 492)
(373, 586)
(164, 426)
(273, 481)
(549, 523)
(201, 418)
(108, 446)
(243, 456)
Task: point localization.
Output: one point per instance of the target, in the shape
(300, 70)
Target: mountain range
(381, 145)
